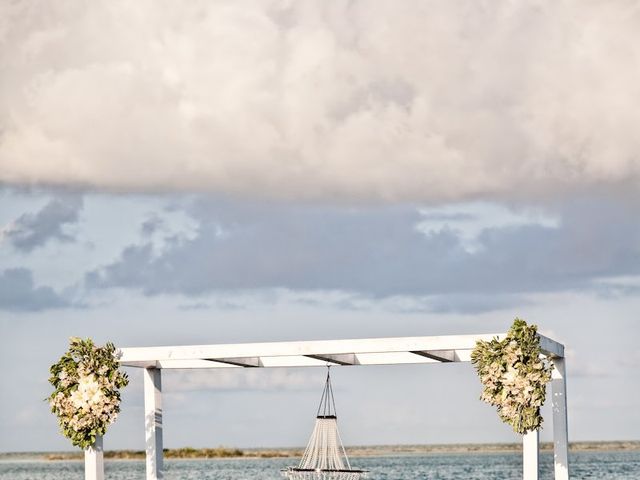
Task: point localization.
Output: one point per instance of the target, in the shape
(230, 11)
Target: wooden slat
(247, 362)
(443, 356)
(345, 359)
(192, 364)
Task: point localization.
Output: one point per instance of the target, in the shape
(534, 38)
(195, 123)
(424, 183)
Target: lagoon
(506, 466)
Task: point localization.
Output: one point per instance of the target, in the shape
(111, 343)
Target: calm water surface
(601, 466)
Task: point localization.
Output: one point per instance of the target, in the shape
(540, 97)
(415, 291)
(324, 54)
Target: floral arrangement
(86, 396)
(514, 376)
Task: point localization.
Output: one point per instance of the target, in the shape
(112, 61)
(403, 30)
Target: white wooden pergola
(370, 351)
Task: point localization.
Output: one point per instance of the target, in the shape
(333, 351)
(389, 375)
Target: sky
(248, 171)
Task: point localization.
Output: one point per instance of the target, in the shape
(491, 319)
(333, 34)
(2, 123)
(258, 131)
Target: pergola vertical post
(153, 422)
(530, 455)
(560, 424)
(94, 461)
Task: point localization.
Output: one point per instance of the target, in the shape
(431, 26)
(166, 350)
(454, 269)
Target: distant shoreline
(355, 451)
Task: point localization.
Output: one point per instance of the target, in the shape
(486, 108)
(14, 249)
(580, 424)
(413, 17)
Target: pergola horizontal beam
(304, 348)
(369, 351)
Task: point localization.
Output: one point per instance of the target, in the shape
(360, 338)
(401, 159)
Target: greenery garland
(514, 377)
(86, 395)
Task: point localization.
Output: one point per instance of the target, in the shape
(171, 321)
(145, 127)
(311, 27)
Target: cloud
(382, 253)
(367, 101)
(476, 303)
(151, 225)
(464, 303)
(33, 230)
(18, 293)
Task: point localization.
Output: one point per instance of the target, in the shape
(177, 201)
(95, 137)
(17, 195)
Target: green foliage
(86, 395)
(514, 376)
(189, 452)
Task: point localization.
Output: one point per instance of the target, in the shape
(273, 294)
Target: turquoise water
(592, 465)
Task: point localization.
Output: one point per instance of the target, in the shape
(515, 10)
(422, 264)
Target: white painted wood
(94, 461)
(293, 361)
(393, 358)
(191, 364)
(251, 362)
(560, 423)
(463, 355)
(443, 356)
(282, 361)
(344, 359)
(138, 356)
(330, 347)
(550, 347)
(153, 422)
(531, 455)
(367, 351)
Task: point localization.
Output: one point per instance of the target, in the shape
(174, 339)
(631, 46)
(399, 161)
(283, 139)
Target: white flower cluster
(514, 376)
(88, 405)
(86, 399)
(514, 390)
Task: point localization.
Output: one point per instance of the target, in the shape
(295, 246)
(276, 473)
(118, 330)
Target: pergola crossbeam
(192, 364)
(444, 356)
(248, 362)
(345, 359)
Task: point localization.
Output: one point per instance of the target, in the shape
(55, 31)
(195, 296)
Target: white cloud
(372, 101)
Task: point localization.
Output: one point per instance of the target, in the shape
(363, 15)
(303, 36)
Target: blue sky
(224, 172)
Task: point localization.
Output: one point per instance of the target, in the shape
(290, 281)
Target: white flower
(510, 375)
(87, 394)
